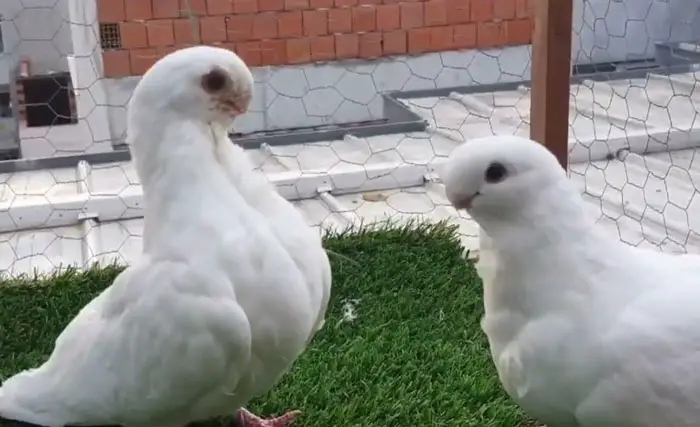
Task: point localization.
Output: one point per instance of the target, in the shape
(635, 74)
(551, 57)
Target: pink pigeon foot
(248, 419)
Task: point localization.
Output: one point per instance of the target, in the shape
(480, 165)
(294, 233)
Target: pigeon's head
(204, 83)
(497, 176)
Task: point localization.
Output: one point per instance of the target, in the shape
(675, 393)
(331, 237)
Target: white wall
(686, 16)
(38, 29)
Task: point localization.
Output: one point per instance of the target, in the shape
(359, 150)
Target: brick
(270, 5)
(518, 32)
(219, 7)
(250, 53)
(298, 51)
(394, 43)
(482, 10)
(227, 45)
(193, 7)
(458, 11)
(166, 9)
(160, 32)
(165, 50)
(184, 32)
(369, 2)
(110, 11)
(388, 17)
(212, 29)
(339, 20)
(504, 9)
(490, 35)
(133, 35)
(141, 60)
(441, 38)
(241, 7)
(464, 36)
(347, 46)
(296, 4)
(419, 40)
(323, 48)
(137, 10)
(315, 22)
(370, 45)
(264, 25)
(345, 3)
(116, 63)
(524, 9)
(435, 13)
(273, 52)
(239, 28)
(364, 19)
(411, 15)
(289, 24)
(320, 4)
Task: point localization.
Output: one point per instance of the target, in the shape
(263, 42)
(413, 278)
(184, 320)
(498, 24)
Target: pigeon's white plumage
(231, 287)
(584, 330)
(287, 222)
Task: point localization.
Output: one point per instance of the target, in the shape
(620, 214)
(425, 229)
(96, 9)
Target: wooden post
(551, 76)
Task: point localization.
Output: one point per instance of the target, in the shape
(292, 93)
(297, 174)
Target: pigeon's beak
(465, 202)
(236, 107)
(238, 104)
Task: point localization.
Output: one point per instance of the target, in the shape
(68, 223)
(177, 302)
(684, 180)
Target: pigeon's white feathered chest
(268, 286)
(542, 353)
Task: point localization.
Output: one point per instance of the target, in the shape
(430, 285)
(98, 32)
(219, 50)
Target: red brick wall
(277, 32)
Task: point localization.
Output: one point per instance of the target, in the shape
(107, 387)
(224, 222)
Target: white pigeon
(227, 293)
(584, 330)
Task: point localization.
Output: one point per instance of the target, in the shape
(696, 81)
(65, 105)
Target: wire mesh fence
(635, 130)
(322, 127)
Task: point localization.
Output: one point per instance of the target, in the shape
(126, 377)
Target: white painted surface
(76, 216)
(654, 113)
(39, 30)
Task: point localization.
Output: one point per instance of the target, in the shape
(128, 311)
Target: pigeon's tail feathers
(46, 395)
(108, 366)
(24, 397)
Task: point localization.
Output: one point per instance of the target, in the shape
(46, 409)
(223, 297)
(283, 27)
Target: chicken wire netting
(633, 128)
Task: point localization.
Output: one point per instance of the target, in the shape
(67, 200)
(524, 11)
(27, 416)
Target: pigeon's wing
(133, 357)
(650, 363)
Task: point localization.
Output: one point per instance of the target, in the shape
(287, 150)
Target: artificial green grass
(401, 346)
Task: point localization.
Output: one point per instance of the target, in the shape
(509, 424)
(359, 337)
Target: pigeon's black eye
(496, 172)
(214, 81)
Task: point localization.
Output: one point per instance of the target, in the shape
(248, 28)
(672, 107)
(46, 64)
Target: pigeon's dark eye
(214, 81)
(496, 172)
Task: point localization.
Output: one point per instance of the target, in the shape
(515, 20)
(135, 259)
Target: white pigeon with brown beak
(218, 308)
(584, 330)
